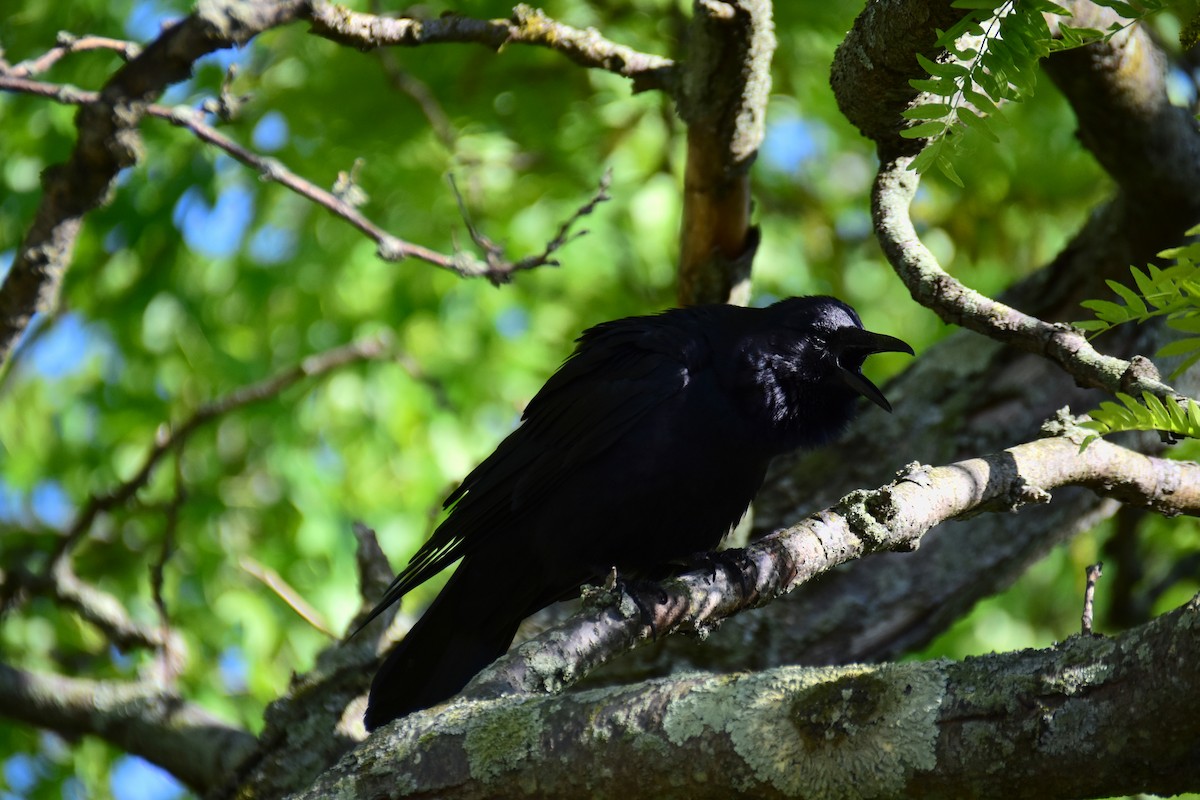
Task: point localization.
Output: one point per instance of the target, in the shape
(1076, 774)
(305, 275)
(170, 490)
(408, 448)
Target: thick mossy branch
(1086, 717)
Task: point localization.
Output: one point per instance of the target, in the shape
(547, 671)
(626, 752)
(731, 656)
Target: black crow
(644, 448)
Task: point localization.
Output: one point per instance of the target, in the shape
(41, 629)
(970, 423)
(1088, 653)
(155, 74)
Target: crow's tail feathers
(468, 626)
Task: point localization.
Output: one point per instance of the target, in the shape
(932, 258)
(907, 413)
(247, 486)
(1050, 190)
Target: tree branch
(526, 26)
(67, 44)
(723, 99)
(892, 518)
(143, 719)
(170, 437)
(1087, 717)
(934, 288)
(495, 267)
(1124, 80)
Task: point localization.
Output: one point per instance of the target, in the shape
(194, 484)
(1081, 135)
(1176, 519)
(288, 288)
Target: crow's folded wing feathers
(621, 372)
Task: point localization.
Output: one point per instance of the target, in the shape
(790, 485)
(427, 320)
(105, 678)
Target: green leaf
(1144, 284)
(1187, 364)
(1157, 410)
(1122, 8)
(926, 130)
(1107, 310)
(1187, 324)
(942, 87)
(1047, 7)
(947, 169)
(976, 122)
(981, 101)
(965, 54)
(927, 111)
(924, 160)
(942, 69)
(1156, 414)
(1080, 35)
(1181, 347)
(1131, 298)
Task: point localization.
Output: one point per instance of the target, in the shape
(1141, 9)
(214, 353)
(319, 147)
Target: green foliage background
(168, 327)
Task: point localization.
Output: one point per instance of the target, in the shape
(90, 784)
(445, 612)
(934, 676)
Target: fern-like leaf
(1150, 414)
(974, 79)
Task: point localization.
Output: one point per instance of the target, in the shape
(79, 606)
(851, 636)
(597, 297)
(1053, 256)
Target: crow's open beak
(851, 346)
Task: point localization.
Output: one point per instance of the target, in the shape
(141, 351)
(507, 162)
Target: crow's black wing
(621, 372)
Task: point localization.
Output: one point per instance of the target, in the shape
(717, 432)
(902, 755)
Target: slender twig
(564, 235)
(168, 664)
(67, 44)
(390, 248)
(287, 593)
(1093, 573)
(421, 94)
(500, 269)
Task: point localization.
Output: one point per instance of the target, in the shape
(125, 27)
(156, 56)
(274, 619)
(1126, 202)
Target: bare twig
(69, 43)
(1093, 572)
(421, 94)
(284, 590)
(564, 235)
(526, 26)
(500, 269)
